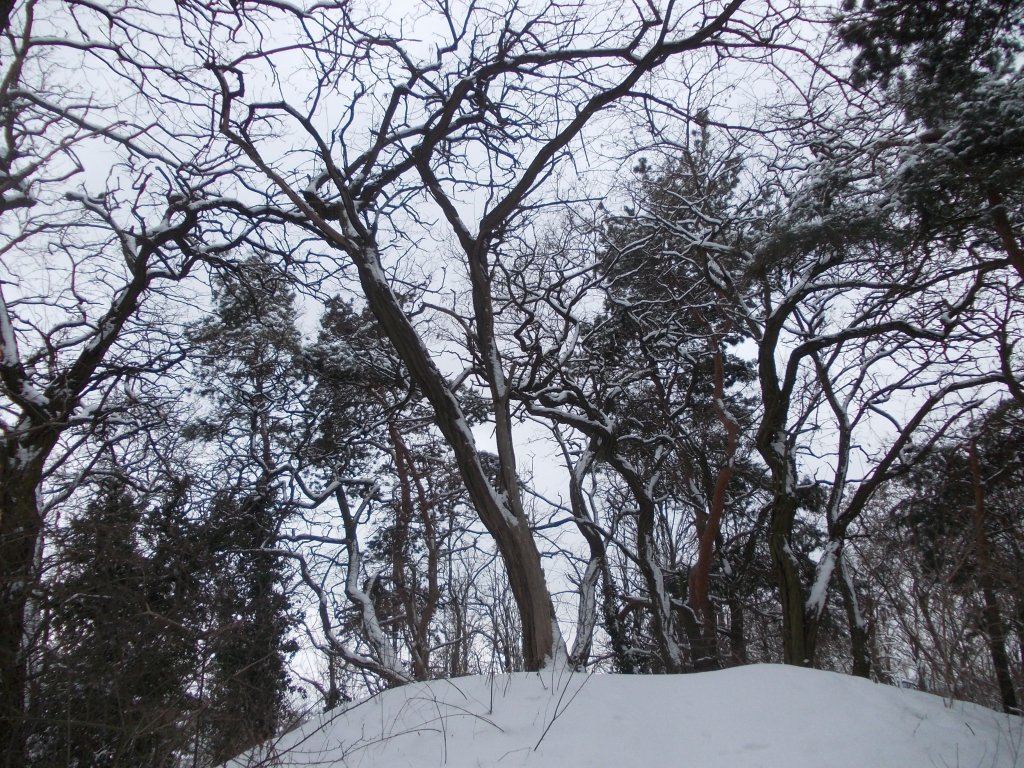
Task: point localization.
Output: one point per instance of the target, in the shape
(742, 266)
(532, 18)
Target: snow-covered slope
(759, 716)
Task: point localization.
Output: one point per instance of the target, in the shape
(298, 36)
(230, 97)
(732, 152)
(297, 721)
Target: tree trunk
(773, 445)
(417, 621)
(797, 648)
(20, 528)
(705, 653)
(992, 616)
(505, 521)
(1003, 227)
(597, 564)
(703, 638)
(737, 632)
(662, 612)
(860, 627)
(797, 641)
(996, 633)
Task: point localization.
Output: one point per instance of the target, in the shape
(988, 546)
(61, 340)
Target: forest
(345, 345)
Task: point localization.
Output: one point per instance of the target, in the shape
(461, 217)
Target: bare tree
(945, 543)
(859, 319)
(104, 213)
(515, 90)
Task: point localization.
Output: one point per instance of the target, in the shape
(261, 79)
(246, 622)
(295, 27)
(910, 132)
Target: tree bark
(995, 631)
(506, 524)
(597, 564)
(418, 615)
(773, 445)
(797, 649)
(859, 626)
(20, 528)
(706, 657)
(1003, 227)
(737, 632)
(662, 614)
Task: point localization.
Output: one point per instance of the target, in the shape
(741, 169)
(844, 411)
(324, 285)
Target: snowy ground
(750, 717)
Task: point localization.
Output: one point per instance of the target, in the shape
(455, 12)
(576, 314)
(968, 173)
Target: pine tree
(961, 525)
(665, 370)
(953, 68)
(249, 365)
(357, 383)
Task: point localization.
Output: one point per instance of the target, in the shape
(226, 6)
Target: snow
(823, 577)
(761, 716)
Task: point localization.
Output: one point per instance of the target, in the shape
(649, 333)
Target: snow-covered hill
(759, 716)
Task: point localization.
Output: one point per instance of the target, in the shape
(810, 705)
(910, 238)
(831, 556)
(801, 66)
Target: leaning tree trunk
(501, 515)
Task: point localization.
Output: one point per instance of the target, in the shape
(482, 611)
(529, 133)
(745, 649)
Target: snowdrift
(762, 716)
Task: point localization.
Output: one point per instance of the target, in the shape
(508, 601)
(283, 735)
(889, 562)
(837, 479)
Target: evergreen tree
(662, 347)
(125, 615)
(248, 361)
(357, 384)
(961, 525)
(953, 68)
(249, 365)
(250, 623)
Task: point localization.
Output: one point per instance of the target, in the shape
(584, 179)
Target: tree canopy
(345, 347)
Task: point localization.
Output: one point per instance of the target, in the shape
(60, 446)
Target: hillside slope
(761, 716)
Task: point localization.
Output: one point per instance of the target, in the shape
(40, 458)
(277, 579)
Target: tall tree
(248, 357)
(964, 500)
(841, 294)
(669, 324)
(954, 69)
(475, 100)
(124, 618)
(248, 641)
(112, 244)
